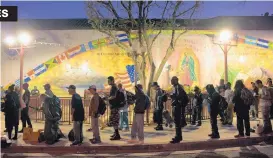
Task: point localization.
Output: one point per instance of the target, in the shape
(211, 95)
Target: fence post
(69, 113)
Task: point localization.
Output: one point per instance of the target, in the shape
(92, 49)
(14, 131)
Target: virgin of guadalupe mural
(188, 70)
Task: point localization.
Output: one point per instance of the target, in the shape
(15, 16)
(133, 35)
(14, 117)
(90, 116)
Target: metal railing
(66, 111)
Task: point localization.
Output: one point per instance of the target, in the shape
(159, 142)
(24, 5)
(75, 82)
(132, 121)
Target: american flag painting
(127, 78)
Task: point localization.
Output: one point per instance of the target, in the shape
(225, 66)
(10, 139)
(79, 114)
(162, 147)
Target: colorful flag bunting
(122, 37)
(250, 40)
(75, 51)
(51, 63)
(262, 43)
(40, 70)
(61, 58)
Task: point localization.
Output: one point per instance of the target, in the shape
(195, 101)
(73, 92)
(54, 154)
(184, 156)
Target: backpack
(56, 104)
(223, 103)
(247, 96)
(147, 102)
(164, 96)
(120, 99)
(71, 135)
(130, 98)
(102, 106)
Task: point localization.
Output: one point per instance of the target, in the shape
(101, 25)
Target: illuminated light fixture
(242, 59)
(24, 38)
(10, 41)
(225, 36)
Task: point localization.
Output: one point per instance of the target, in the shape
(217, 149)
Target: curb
(185, 146)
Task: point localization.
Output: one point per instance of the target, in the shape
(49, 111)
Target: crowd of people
(222, 101)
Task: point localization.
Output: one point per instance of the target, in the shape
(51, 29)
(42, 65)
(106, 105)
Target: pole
(21, 71)
(226, 64)
(135, 72)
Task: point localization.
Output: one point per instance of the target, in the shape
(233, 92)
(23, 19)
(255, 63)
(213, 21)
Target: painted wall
(196, 60)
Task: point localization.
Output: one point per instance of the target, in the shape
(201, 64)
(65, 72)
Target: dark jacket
(214, 100)
(178, 95)
(140, 102)
(12, 109)
(158, 99)
(197, 100)
(239, 105)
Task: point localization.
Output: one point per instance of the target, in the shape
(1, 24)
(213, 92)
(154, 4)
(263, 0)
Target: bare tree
(134, 18)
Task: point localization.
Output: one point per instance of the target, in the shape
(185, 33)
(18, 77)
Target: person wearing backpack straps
(265, 104)
(158, 107)
(138, 120)
(123, 121)
(270, 86)
(241, 109)
(93, 112)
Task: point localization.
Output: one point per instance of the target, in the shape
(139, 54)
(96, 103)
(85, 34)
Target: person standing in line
(12, 112)
(158, 107)
(24, 112)
(214, 101)
(270, 86)
(114, 113)
(197, 106)
(138, 120)
(77, 112)
(254, 107)
(265, 103)
(241, 109)
(48, 91)
(229, 96)
(93, 112)
(35, 91)
(123, 121)
(178, 97)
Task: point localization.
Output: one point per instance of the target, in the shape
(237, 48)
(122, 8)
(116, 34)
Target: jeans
(138, 127)
(25, 117)
(266, 118)
(196, 114)
(243, 121)
(177, 111)
(123, 120)
(95, 127)
(77, 128)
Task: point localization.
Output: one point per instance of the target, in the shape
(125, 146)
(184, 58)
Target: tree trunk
(169, 52)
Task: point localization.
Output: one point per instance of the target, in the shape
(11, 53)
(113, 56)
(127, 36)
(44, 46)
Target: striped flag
(17, 82)
(124, 79)
(262, 43)
(75, 51)
(26, 79)
(250, 40)
(122, 37)
(40, 70)
(61, 58)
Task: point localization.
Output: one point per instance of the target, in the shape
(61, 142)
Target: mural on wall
(92, 62)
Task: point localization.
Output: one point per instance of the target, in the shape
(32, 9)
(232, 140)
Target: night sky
(58, 10)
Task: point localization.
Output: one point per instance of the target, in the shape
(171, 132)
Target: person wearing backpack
(197, 106)
(214, 99)
(159, 106)
(93, 112)
(142, 104)
(265, 104)
(242, 108)
(179, 101)
(12, 111)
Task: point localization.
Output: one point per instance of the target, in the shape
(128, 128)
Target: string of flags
(68, 54)
(254, 41)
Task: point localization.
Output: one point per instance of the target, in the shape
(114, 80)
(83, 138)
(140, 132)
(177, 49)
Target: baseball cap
(47, 85)
(155, 84)
(92, 87)
(71, 87)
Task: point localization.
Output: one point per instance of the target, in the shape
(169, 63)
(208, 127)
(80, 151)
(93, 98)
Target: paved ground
(242, 152)
(190, 133)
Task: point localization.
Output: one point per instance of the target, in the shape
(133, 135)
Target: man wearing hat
(93, 112)
(270, 86)
(48, 91)
(24, 112)
(77, 113)
(158, 106)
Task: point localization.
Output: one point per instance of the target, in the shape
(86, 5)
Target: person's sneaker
(239, 136)
(215, 136)
(199, 124)
(113, 135)
(248, 134)
(159, 128)
(175, 141)
(210, 135)
(75, 143)
(116, 137)
(89, 130)
(95, 141)
(132, 141)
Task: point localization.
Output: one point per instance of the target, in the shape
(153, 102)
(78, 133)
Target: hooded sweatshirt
(140, 101)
